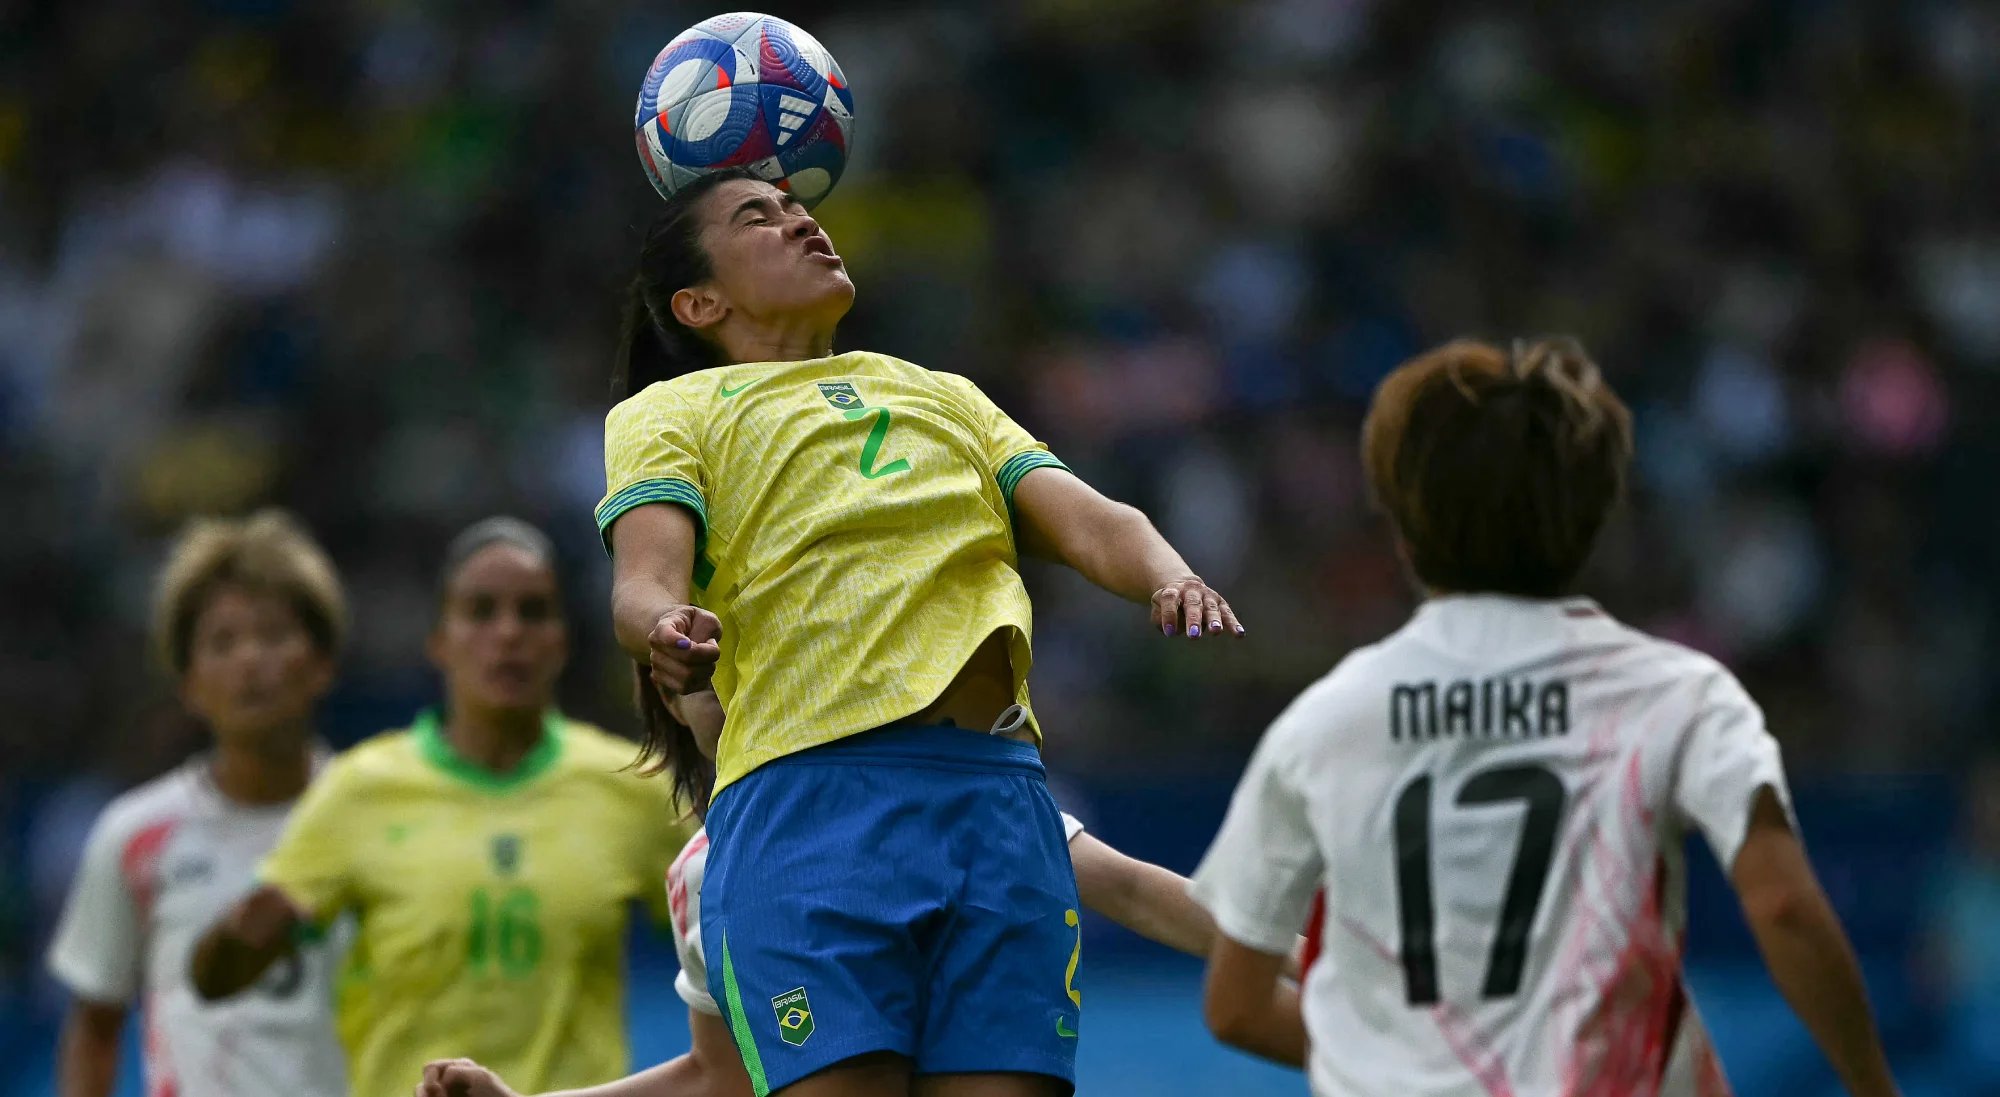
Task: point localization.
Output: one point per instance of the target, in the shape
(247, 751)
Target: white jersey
(162, 863)
(684, 897)
(1494, 800)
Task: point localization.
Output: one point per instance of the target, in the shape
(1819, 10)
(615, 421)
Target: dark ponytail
(652, 345)
(670, 746)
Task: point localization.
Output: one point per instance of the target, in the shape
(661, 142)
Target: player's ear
(699, 307)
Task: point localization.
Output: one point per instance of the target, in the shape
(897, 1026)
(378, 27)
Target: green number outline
(507, 931)
(872, 448)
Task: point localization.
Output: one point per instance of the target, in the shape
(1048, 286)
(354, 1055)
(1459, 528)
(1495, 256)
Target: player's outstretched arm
(709, 1069)
(87, 1063)
(1061, 518)
(235, 951)
(1806, 950)
(1148, 900)
(652, 559)
(1249, 1006)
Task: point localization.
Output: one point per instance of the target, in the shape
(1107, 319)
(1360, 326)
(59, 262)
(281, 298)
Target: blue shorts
(907, 889)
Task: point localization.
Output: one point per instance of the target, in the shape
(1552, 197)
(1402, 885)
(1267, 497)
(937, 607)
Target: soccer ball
(745, 90)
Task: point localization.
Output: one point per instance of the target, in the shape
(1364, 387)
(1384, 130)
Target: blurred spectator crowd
(364, 259)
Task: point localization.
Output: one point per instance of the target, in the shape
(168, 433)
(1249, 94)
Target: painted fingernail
(1194, 630)
(1166, 630)
(683, 644)
(1240, 630)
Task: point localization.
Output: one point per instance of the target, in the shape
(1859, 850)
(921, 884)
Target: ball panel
(743, 89)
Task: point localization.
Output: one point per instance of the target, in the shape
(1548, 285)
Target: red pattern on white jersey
(1398, 779)
(162, 863)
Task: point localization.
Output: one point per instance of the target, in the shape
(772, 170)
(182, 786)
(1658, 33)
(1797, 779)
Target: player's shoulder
(161, 802)
(1661, 659)
(391, 755)
(590, 748)
(593, 754)
(688, 391)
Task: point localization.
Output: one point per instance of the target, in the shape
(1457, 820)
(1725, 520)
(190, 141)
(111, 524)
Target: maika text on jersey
(1490, 708)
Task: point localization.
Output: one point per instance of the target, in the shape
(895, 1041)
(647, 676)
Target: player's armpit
(1248, 1006)
(1807, 952)
(235, 951)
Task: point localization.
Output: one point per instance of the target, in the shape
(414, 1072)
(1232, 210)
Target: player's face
(501, 642)
(253, 670)
(770, 258)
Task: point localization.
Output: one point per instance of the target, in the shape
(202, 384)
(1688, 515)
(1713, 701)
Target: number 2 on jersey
(871, 450)
(1544, 795)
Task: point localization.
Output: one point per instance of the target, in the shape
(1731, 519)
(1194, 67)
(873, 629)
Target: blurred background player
(851, 527)
(1494, 797)
(248, 616)
(1144, 898)
(491, 852)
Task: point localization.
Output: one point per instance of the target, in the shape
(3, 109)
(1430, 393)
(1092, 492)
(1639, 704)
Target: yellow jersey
(857, 539)
(491, 909)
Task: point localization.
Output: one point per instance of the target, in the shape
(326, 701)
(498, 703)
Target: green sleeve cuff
(1021, 464)
(652, 491)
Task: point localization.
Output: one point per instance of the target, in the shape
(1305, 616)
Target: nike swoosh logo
(727, 392)
(1062, 1029)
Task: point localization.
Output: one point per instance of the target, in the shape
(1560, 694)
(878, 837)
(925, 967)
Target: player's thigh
(876, 1074)
(1005, 994)
(993, 1084)
(814, 880)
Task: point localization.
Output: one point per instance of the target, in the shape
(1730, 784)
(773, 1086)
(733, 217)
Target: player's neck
(493, 739)
(270, 770)
(775, 340)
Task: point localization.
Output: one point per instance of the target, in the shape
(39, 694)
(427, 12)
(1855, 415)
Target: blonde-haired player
(491, 852)
(248, 617)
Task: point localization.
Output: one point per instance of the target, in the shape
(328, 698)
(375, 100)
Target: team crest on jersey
(795, 1014)
(506, 854)
(840, 394)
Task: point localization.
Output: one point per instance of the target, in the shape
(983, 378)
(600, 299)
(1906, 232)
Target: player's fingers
(704, 626)
(1167, 608)
(1229, 622)
(669, 673)
(1191, 608)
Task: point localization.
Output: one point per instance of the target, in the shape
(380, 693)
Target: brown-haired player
(248, 617)
(1494, 797)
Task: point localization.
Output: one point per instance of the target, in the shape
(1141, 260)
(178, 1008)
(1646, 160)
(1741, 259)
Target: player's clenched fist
(460, 1078)
(1191, 606)
(685, 643)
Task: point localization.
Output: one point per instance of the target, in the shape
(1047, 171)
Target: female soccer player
(1494, 797)
(490, 852)
(1144, 898)
(248, 616)
(833, 539)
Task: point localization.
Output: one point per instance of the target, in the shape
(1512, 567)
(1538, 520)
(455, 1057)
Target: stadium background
(363, 259)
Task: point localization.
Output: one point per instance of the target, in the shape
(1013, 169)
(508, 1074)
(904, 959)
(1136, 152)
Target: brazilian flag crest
(840, 394)
(506, 853)
(795, 1014)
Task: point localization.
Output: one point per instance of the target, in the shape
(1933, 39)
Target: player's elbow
(1782, 906)
(1230, 1014)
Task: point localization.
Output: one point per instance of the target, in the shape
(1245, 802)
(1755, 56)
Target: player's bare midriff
(982, 690)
